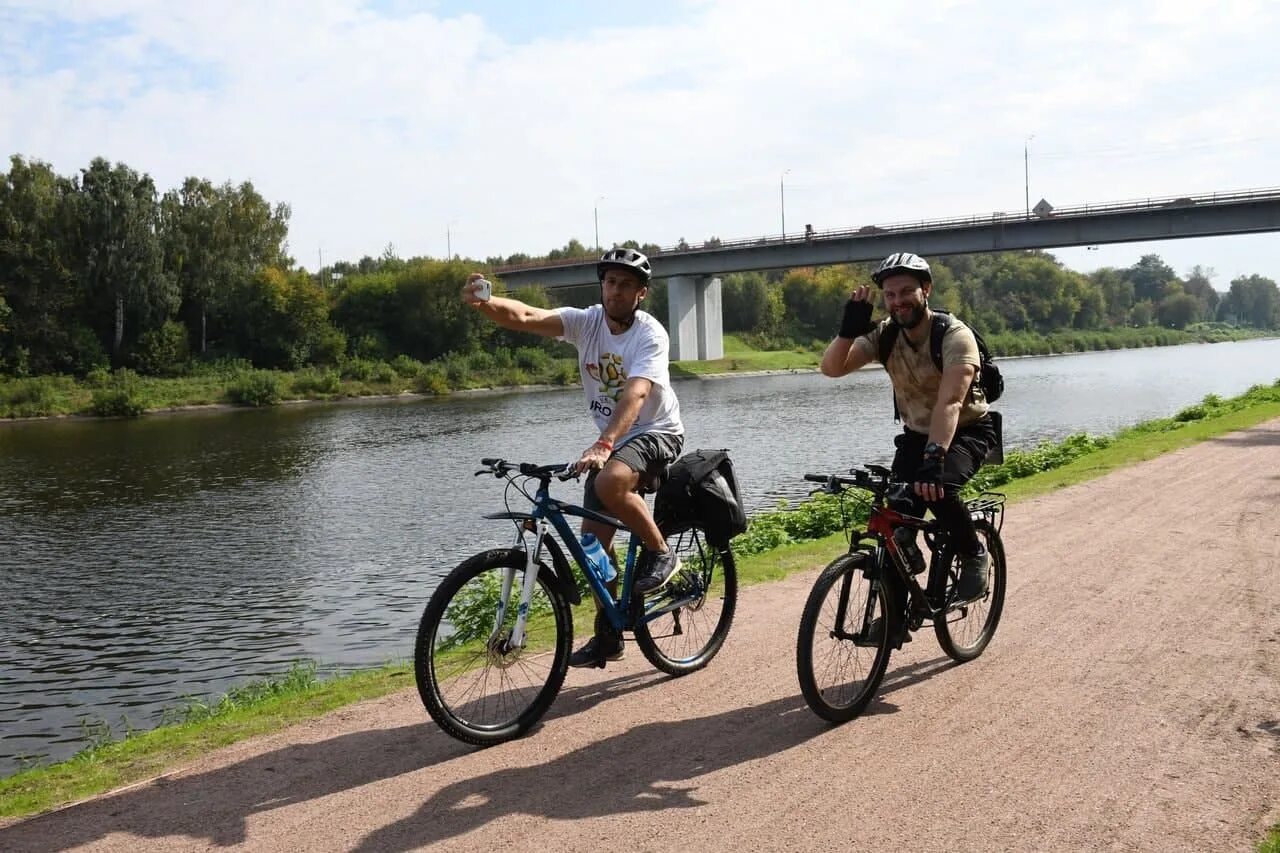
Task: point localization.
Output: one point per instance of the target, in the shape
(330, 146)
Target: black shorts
(649, 453)
(964, 457)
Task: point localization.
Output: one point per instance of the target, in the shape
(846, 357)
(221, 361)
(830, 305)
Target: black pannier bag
(701, 488)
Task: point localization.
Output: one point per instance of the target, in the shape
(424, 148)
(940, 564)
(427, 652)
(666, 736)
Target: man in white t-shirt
(623, 356)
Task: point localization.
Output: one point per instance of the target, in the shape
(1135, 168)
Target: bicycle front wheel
(475, 685)
(682, 626)
(844, 642)
(964, 630)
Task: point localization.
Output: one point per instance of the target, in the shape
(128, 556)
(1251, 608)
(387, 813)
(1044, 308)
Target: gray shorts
(649, 453)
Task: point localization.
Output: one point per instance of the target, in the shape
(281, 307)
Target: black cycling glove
(931, 465)
(857, 319)
(930, 471)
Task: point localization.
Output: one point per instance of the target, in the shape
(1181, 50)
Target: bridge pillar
(695, 318)
(710, 320)
(682, 317)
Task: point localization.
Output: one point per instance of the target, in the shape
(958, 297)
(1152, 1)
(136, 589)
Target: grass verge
(271, 705)
(742, 358)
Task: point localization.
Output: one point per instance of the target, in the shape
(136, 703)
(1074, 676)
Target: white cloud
(382, 129)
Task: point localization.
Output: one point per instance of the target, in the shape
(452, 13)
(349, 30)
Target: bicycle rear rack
(988, 505)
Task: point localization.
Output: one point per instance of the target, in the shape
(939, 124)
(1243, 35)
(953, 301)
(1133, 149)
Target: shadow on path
(1251, 437)
(639, 770)
(644, 769)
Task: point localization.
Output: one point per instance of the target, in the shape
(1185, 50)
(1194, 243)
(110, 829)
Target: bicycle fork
(516, 640)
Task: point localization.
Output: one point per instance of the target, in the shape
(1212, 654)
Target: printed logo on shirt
(609, 374)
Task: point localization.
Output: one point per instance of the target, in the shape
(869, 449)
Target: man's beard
(625, 321)
(914, 318)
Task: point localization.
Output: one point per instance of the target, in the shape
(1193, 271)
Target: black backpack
(701, 488)
(989, 378)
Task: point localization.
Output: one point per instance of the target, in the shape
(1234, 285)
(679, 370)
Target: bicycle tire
(965, 631)
(843, 698)
(453, 676)
(702, 597)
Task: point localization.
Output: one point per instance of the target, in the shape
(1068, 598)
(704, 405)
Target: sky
(490, 128)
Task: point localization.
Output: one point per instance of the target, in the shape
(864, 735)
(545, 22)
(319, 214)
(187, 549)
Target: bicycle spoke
(477, 684)
(838, 676)
(685, 624)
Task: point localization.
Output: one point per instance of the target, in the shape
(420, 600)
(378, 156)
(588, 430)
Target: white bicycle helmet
(903, 262)
(627, 259)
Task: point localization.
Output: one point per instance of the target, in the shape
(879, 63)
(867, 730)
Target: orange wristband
(607, 445)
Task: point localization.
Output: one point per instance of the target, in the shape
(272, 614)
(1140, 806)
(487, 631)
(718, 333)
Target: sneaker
(656, 571)
(973, 576)
(876, 630)
(596, 651)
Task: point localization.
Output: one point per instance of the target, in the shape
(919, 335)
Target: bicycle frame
(549, 512)
(882, 523)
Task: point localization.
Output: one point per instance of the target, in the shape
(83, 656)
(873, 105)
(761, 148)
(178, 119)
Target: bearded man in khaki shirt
(947, 431)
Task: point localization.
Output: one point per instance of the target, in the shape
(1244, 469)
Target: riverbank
(237, 385)
(270, 706)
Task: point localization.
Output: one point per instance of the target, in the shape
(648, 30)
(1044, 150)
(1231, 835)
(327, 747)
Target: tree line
(100, 269)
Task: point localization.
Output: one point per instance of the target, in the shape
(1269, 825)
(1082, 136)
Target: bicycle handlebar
(874, 478)
(502, 468)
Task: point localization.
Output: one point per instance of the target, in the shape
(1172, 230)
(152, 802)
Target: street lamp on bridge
(1026, 172)
(595, 211)
(782, 195)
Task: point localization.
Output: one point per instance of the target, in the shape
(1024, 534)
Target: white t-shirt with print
(606, 361)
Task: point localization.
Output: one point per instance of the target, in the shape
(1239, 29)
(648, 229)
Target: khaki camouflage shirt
(916, 379)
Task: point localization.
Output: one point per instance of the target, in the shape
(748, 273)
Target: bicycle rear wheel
(841, 652)
(965, 630)
(682, 626)
(475, 686)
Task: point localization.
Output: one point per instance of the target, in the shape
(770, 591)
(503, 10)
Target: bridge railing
(996, 217)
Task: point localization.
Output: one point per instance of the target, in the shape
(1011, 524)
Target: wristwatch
(934, 450)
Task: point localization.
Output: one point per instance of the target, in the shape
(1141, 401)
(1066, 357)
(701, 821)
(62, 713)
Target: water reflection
(148, 559)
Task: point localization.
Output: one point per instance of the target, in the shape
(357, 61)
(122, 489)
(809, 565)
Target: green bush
(226, 369)
(99, 377)
(384, 373)
(30, 398)
(120, 398)
(359, 369)
(532, 359)
(457, 370)
(85, 351)
(255, 388)
(432, 380)
(511, 377)
(329, 346)
(566, 373)
(316, 381)
(481, 362)
(164, 351)
(406, 366)
(503, 358)
(368, 346)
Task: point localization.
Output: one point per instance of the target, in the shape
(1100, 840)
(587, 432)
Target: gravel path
(1130, 701)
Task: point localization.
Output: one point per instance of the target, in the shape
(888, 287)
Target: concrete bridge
(693, 286)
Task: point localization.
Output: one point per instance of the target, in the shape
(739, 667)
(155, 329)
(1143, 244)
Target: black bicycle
(868, 601)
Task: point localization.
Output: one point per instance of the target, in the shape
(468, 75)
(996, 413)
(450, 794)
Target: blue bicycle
(494, 641)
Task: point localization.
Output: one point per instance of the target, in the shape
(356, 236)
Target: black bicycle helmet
(903, 262)
(627, 259)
